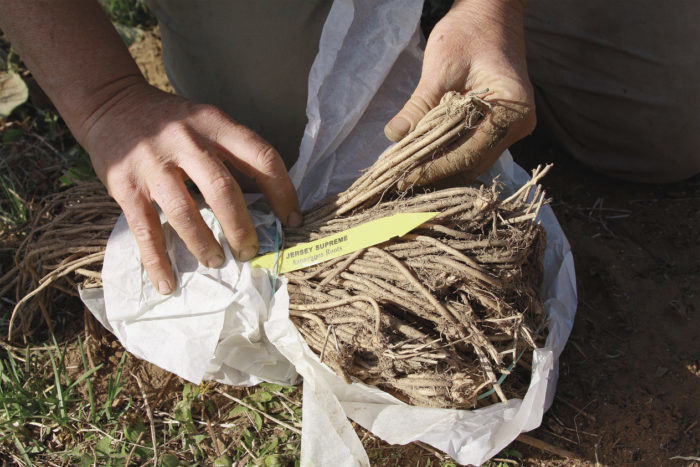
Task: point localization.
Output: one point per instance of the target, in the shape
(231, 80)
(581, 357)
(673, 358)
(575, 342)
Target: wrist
(112, 98)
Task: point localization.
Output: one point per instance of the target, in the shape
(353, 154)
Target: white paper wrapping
(210, 328)
(225, 325)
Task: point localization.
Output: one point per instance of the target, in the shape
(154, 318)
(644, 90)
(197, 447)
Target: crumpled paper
(227, 325)
(210, 328)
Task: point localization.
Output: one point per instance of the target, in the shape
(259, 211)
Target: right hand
(144, 144)
(479, 44)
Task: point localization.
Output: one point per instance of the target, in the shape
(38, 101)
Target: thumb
(408, 117)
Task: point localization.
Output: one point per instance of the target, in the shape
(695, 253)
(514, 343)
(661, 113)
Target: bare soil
(629, 385)
(148, 55)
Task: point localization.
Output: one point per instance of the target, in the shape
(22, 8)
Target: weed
(114, 387)
(43, 415)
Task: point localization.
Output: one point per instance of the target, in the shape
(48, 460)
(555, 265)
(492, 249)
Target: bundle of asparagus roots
(440, 316)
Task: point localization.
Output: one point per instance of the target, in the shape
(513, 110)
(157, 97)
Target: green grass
(50, 413)
(131, 13)
(40, 406)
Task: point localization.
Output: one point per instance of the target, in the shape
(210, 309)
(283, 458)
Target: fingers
(476, 151)
(408, 117)
(192, 141)
(144, 224)
(168, 190)
(257, 159)
(224, 196)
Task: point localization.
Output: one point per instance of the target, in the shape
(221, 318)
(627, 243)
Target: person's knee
(618, 89)
(661, 170)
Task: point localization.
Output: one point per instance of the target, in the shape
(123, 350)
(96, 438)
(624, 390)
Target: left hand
(478, 45)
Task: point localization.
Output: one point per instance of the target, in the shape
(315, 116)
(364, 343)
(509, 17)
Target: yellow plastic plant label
(342, 243)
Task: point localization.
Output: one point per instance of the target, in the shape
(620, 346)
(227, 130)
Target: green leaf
(258, 421)
(249, 437)
(223, 461)
(12, 135)
(129, 34)
(169, 460)
(273, 461)
(139, 452)
(84, 376)
(132, 432)
(59, 387)
(511, 453)
(189, 392)
(76, 174)
(270, 446)
(237, 411)
(272, 387)
(104, 446)
(265, 396)
(17, 210)
(182, 411)
(20, 448)
(86, 460)
(13, 93)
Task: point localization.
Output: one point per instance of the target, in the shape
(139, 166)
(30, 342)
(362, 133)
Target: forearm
(74, 53)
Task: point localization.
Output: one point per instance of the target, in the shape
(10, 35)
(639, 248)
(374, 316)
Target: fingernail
(247, 253)
(294, 219)
(215, 261)
(164, 287)
(397, 128)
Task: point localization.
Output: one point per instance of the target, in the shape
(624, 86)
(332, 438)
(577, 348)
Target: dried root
(437, 316)
(64, 247)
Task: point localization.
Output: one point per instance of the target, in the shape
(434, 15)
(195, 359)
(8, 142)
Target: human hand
(144, 144)
(478, 45)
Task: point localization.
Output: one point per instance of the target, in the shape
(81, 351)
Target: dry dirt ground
(629, 386)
